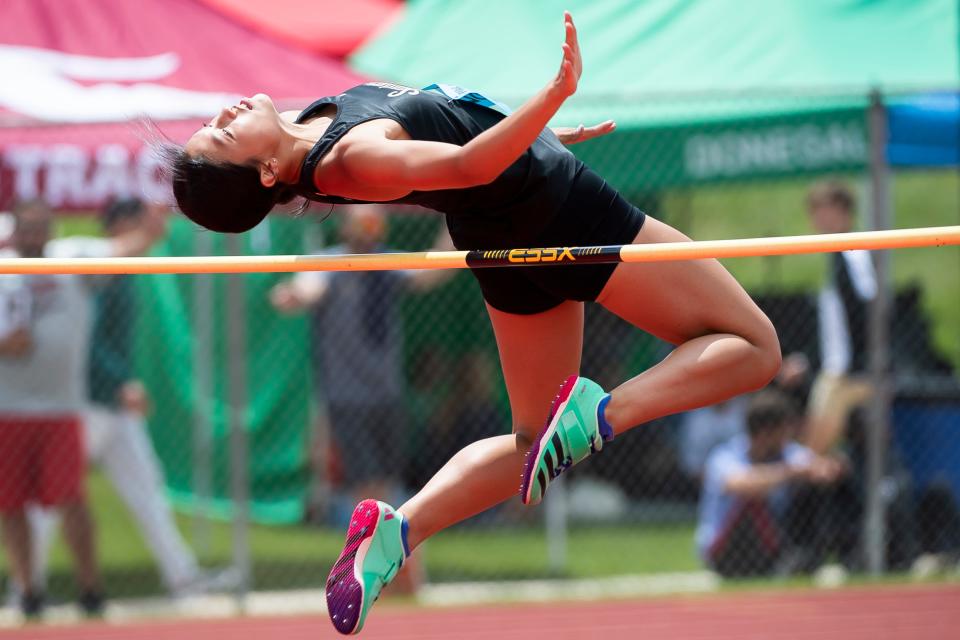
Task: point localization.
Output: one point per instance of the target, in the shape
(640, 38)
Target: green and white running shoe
(571, 434)
(371, 557)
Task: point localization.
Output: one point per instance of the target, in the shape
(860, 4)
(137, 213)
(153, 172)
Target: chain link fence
(301, 395)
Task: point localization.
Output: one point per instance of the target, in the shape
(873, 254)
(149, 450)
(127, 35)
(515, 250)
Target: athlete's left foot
(371, 558)
(573, 432)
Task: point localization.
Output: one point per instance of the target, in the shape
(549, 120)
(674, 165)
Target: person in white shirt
(841, 384)
(43, 374)
(115, 429)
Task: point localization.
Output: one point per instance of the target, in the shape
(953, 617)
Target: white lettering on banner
(110, 176)
(775, 150)
(72, 176)
(25, 161)
(66, 166)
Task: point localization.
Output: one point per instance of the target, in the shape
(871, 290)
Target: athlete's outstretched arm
(371, 158)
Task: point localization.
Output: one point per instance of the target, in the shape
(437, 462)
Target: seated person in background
(705, 428)
(755, 509)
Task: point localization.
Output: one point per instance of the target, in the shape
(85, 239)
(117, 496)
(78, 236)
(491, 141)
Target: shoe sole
(345, 590)
(556, 410)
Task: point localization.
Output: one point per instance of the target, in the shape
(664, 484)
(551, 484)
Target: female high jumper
(502, 180)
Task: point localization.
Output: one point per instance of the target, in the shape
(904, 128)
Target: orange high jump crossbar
(787, 245)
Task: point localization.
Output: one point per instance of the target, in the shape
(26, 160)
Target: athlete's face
(242, 134)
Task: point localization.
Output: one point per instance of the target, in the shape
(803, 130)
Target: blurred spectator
(358, 342)
(842, 305)
(470, 413)
(703, 429)
(431, 384)
(760, 507)
(114, 424)
(836, 412)
(938, 525)
(43, 362)
(6, 228)
(902, 500)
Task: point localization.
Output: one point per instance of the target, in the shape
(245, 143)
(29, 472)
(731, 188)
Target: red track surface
(896, 613)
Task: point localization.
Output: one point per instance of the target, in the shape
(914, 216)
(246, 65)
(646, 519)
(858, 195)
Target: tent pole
(880, 409)
(203, 404)
(237, 380)
(556, 522)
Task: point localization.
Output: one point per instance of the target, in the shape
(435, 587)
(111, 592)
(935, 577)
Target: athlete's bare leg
(536, 352)
(725, 346)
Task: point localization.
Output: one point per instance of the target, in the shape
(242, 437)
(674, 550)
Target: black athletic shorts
(594, 214)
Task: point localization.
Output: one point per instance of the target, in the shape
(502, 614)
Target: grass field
(301, 556)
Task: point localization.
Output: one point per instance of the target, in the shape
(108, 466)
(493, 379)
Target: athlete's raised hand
(572, 64)
(573, 135)
(422, 165)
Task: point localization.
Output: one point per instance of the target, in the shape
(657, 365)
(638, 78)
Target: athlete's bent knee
(766, 355)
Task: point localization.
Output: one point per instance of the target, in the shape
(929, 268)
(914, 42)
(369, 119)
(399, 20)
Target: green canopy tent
(701, 91)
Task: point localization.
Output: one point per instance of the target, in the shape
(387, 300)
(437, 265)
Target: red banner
(76, 73)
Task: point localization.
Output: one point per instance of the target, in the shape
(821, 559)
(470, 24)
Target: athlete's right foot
(371, 557)
(571, 434)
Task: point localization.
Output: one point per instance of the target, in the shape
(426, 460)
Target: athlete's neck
(295, 143)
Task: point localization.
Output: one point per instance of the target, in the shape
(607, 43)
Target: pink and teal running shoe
(371, 557)
(574, 430)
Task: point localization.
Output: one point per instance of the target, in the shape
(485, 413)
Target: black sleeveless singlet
(508, 212)
(547, 198)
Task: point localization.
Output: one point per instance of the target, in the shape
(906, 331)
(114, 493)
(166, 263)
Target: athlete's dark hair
(223, 197)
